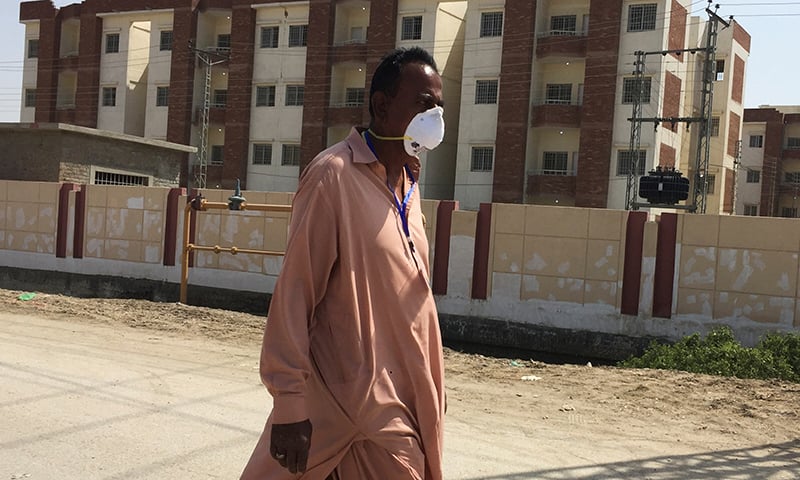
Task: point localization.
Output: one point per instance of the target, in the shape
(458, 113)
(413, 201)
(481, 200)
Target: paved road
(88, 402)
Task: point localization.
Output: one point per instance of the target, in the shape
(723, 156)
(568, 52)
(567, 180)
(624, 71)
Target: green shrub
(776, 356)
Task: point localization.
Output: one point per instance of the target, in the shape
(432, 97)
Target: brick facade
(513, 104)
(597, 115)
(738, 79)
(772, 165)
(677, 29)
(240, 91)
(179, 116)
(666, 156)
(672, 98)
(734, 127)
(87, 97)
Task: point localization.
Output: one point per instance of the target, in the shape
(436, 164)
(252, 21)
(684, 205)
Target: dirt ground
(717, 412)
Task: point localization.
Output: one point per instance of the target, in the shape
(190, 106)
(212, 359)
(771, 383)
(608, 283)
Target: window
(262, 154)
(720, 70)
(491, 24)
(224, 40)
(290, 155)
(354, 97)
(793, 143)
(109, 96)
(269, 37)
(482, 159)
(789, 212)
(294, 95)
(412, 28)
(33, 48)
(792, 177)
(711, 181)
(554, 163)
(112, 43)
(217, 154)
(298, 35)
(715, 126)
(162, 96)
(30, 97)
(751, 210)
(165, 43)
(563, 25)
(485, 91)
(265, 96)
(753, 176)
(357, 35)
(558, 93)
(642, 17)
(110, 178)
(757, 141)
(220, 99)
(629, 90)
(625, 159)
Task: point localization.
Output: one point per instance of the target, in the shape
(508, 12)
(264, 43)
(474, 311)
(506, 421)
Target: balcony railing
(352, 41)
(570, 172)
(346, 104)
(557, 101)
(561, 33)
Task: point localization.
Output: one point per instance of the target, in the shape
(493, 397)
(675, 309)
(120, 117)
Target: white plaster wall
(752, 159)
(280, 124)
(29, 71)
(158, 75)
(477, 123)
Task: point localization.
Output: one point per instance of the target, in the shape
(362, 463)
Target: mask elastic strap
(375, 135)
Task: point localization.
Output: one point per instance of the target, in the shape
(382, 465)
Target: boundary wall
(589, 282)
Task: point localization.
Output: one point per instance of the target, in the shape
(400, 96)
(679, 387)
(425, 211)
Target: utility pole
(737, 162)
(209, 58)
(631, 189)
(704, 119)
(706, 107)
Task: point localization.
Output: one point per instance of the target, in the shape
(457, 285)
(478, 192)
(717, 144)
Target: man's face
(419, 89)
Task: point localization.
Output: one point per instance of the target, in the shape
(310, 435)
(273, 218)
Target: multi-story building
(537, 94)
(768, 178)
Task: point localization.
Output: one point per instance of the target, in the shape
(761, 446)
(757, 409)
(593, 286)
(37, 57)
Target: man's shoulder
(329, 166)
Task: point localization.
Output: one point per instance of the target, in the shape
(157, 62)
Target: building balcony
(556, 114)
(352, 51)
(67, 63)
(561, 44)
(791, 153)
(346, 114)
(545, 182)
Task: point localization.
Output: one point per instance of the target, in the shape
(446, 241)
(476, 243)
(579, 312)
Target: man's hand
(289, 444)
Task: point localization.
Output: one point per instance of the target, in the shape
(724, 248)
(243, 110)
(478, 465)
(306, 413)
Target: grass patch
(777, 356)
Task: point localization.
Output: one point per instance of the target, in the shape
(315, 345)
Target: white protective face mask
(424, 132)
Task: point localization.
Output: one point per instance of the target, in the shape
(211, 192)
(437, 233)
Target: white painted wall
(477, 123)
(29, 71)
(158, 75)
(752, 159)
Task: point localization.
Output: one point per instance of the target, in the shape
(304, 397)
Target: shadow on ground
(772, 461)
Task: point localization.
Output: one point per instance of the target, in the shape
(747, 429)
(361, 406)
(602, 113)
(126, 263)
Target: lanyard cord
(402, 208)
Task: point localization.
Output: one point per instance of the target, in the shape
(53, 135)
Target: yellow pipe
(232, 250)
(263, 207)
(187, 216)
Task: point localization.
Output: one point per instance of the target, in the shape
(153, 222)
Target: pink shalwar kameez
(352, 340)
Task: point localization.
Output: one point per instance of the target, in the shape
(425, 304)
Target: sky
(772, 76)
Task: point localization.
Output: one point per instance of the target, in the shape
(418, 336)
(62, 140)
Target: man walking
(352, 352)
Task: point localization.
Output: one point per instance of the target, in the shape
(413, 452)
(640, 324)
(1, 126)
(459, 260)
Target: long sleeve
(310, 256)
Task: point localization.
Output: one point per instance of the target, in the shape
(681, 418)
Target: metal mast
(706, 108)
(631, 189)
(209, 58)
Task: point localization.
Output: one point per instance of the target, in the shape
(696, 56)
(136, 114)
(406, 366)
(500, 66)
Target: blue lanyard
(402, 208)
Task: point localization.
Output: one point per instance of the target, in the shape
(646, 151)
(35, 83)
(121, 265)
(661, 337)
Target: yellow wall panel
(695, 302)
(761, 272)
(124, 223)
(772, 233)
(698, 267)
(562, 257)
(605, 224)
(759, 308)
(508, 218)
(508, 251)
(559, 289)
(700, 230)
(604, 293)
(556, 221)
(602, 260)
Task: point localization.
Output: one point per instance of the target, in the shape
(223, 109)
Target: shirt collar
(362, 153)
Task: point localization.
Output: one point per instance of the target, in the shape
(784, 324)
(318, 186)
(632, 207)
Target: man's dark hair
(387, 75)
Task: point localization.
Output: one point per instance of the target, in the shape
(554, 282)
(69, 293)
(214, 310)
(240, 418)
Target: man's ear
(380, 105)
